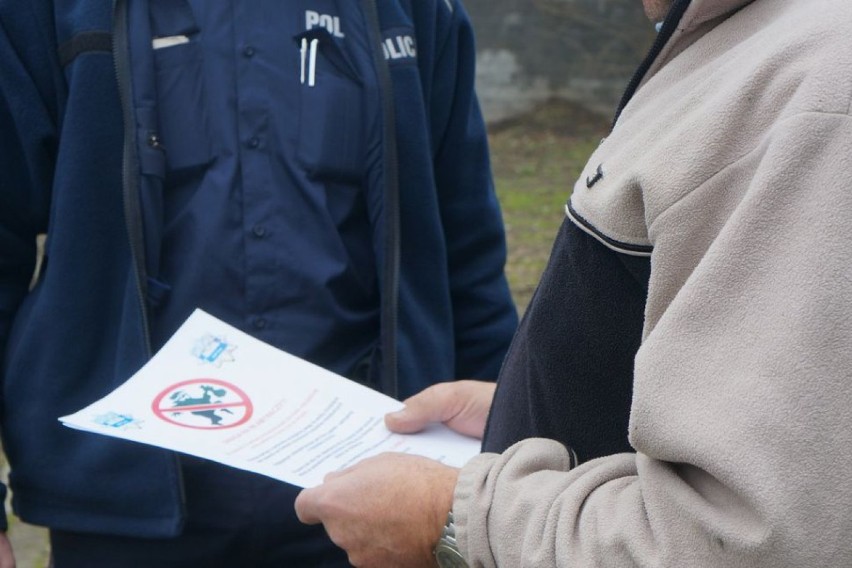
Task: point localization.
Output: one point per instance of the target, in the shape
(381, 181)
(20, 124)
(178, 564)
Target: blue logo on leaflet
(118, 421)
(214, 350)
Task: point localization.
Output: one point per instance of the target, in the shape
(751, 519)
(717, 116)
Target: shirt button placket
(254, 186)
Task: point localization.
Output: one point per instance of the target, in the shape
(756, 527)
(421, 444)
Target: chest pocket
(332, 108)
(183, 115)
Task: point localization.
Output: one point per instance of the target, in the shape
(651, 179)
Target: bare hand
(7, 557)
(461, 405)
(385, 511)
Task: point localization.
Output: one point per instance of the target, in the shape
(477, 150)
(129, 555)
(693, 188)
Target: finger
(306, 507)
(338, 473)
(434, 404)
(7, 557)
(333, 475)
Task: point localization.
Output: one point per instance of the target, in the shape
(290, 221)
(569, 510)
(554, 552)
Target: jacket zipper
(130, 185)
(666, 31)
(390, 269)
(129, 166)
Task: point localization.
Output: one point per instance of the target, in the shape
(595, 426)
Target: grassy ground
(535, 159)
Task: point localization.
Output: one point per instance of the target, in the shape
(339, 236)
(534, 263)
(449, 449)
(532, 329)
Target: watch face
(449, 558)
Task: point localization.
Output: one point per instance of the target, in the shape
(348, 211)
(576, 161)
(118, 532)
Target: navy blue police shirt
(265, 218)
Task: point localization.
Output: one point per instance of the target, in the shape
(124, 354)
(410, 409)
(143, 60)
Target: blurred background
(550, 74)
(533, 51)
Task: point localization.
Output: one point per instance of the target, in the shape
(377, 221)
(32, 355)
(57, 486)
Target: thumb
(430, 405)
(306, 507)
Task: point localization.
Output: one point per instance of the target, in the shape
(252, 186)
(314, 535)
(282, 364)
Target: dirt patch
(28, 542)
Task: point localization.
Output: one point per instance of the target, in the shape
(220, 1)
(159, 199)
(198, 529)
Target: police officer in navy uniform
(314, 173)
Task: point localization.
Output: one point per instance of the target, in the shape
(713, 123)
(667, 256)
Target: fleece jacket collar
(699, 15)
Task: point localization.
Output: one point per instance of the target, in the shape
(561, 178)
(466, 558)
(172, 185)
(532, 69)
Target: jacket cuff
(490, 478)
(470, 488)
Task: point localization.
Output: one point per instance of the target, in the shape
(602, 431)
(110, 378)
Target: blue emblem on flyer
(214, 350)
(118, 421)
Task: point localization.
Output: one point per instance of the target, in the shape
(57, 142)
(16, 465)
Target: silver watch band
(447, 552)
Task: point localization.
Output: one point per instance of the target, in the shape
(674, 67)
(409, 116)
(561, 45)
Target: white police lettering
(331, 23)
(399, 47)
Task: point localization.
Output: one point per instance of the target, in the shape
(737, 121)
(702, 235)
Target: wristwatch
(447, 550)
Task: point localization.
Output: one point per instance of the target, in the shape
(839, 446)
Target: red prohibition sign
(204, 404)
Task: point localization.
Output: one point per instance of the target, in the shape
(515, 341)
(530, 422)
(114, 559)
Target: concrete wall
(529, 51)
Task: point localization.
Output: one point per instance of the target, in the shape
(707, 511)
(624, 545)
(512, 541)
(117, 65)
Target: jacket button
(259, 323)
(253, 142)
(248, 51)
(258, 230)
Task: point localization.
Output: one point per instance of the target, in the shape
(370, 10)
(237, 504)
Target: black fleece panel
(569, 373)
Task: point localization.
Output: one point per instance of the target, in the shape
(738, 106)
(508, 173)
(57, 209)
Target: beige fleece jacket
(734, 161)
